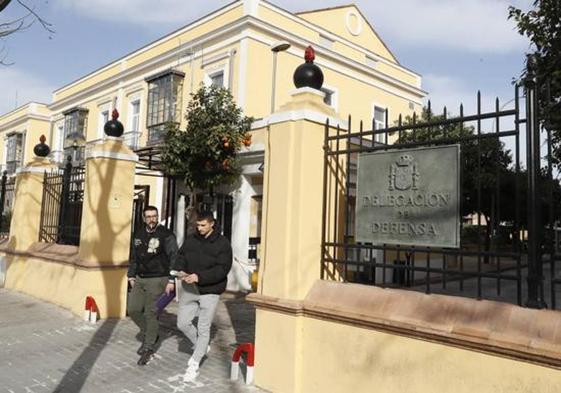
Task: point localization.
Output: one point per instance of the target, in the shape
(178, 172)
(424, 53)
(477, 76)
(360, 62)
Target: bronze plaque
(409, 197)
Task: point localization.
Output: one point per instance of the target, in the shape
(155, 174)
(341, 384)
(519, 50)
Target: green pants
(142, 306)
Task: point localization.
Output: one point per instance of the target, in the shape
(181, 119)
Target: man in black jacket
(154, 252)
(204, 260)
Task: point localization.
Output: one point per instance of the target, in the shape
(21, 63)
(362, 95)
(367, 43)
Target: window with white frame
(103, 118)
(14, 152)
(134, 117)
(59, 141)
(217, 78)
(379, 122)
(132, 136)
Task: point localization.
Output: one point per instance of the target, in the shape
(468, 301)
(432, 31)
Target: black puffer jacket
(210, 258)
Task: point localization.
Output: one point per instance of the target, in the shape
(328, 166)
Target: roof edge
(363, 17)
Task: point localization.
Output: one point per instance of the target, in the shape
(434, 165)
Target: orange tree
(204, 154)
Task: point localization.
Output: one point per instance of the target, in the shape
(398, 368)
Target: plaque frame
(455, 241)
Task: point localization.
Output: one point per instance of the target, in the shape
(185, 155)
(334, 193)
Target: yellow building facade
(231, 47)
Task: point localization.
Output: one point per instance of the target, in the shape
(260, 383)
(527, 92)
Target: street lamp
(276, 47)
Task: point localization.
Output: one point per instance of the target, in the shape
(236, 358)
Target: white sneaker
(192, 372)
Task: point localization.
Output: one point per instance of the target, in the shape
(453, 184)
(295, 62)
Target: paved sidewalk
(44, 348)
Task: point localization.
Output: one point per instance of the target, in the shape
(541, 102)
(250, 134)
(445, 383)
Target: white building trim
(329, 59)
(304, 114)
(241, 26)
(22, 119)
(31, 169)
(242, 70)
(335, 37)
(251, 7)
(111, 154)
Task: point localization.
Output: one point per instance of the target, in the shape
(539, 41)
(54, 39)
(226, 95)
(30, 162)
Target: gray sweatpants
(191, 304)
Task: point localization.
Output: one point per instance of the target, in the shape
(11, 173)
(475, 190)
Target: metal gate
(7, 188)
(508, 203)
(61, 209)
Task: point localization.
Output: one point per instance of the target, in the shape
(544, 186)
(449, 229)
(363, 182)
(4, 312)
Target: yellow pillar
(291, 234)
(293, 189)
(26, 213)
(106, 222)
(107, 208)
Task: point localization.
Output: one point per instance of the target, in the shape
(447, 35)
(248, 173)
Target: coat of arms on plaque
(404, 174)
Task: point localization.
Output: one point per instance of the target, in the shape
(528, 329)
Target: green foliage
(485, 162)
(543, 27)
(204, 155)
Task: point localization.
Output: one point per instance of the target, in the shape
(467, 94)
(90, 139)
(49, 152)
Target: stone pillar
(293, 194)
(28, 197)
(106, 224)
(107, 209)
(291, 234)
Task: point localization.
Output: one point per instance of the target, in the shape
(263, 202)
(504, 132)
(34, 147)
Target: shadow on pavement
(76, 375)
(242, 315)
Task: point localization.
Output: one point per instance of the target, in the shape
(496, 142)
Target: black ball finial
(42, 149)
(114, 127)
(308, 74)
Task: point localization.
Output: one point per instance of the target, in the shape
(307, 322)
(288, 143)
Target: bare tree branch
(46, 25)
(20, 24)
(13, 27)
(4, 56)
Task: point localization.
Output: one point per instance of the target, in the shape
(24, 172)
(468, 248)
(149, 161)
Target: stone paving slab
(44, 348)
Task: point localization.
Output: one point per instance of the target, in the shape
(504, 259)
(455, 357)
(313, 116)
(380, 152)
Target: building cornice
(23, 118)
(335, 57)
(238, 26)
(298, 19)
(29, 105)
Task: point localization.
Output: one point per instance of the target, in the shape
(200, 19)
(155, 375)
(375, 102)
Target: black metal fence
(509, 207)
(7, 189)
(61, 210)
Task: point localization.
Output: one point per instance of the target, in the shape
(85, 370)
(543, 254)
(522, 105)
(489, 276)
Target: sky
(458, 46)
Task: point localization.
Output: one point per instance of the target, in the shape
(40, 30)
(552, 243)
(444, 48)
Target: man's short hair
(205, 215)
(149, 208)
